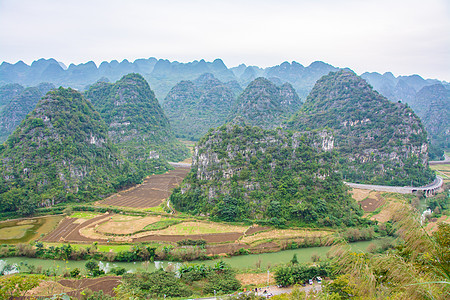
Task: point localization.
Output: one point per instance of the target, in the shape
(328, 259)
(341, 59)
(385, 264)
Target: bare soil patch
(69, 230)
(371, 203)
(266, 247)
(152, 192)
(255, 228)
(105, 284)
(209, 238)
(258, 279)
(360, 194)
(225, 248)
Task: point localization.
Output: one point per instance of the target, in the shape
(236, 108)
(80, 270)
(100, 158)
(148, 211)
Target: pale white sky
(404, 36)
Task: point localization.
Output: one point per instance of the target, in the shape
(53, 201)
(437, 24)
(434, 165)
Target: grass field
(164, 223)
(443, 171)
(15, 232)
(23, 231)
(86, 215)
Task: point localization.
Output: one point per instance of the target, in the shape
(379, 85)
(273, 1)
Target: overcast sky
(405, 37)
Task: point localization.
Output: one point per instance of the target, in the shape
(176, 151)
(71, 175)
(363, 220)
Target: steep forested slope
(264, 104)
(60, 152)
(379, 141)
(19, 106)
(432, 104)
(243, 172)
(135, 120)
(193, 107)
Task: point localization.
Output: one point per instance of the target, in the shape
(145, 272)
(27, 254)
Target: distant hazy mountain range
(163, 75)
(430, 104)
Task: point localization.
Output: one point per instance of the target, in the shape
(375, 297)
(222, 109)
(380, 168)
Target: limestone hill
(193, 107)
(136, 123)
(379, 141)
(60, 152)
(264, 104)
(273, 176)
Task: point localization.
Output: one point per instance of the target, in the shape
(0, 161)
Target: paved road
(398, 189)
(441, 162)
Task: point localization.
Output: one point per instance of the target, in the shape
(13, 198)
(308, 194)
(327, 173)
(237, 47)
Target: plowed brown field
(151, 193)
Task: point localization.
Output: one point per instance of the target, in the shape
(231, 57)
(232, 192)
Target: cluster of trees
(218, 279)
(138, 252)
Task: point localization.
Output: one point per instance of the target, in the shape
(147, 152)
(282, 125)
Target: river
(253, 261)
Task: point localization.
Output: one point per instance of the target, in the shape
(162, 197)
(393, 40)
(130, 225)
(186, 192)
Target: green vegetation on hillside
(243, 172)
(135, 120)
(193, 107)
(60, 152)
(19, 106)
(264, 104)
(379, 142)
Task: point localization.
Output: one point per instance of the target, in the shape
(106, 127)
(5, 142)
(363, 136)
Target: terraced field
(151, 193)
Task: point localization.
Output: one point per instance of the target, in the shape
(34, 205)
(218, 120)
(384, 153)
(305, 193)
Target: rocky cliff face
(264, 104)
(195, 106)
(382, 142)
(241, 172)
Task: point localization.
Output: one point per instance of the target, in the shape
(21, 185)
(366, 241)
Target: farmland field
(151, 193)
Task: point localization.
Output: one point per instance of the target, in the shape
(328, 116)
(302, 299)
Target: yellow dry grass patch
(360, 194)
(388, 210)
(284, 234)
(46, 288)
(120, 224)
(189, 228)
(257, 279)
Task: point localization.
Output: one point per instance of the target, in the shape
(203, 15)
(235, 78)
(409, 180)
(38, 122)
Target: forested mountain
(243, 172)
(193, 107)
(264, 104)
(380, 142)
(136, 123)
(8, 92)
(432, 105)
(60, 152)
(19, 106)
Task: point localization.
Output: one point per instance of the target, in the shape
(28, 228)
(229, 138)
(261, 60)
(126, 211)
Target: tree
(294, 259)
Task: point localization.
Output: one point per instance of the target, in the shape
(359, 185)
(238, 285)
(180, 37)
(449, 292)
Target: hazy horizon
(402, 37)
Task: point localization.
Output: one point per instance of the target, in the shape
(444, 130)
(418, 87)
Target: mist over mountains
(163, 74)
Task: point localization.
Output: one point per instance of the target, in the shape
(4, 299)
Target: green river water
(254, 261)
